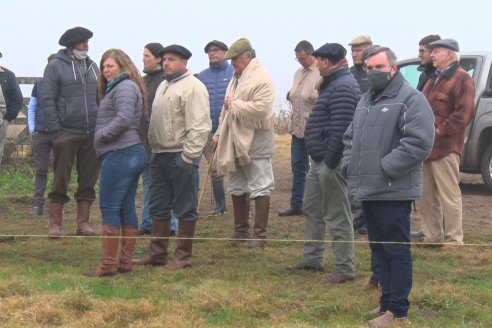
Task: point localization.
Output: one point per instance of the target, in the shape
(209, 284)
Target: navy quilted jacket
(331, 115)
(216, 79)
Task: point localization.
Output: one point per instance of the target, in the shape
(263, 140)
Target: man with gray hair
(451, 94)
(302, 97)
(245, 141)
(389, 138)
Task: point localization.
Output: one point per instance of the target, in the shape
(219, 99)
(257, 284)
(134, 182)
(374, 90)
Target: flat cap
(445, 43)
(74, 35)
(155, 48)
(333, 51)
(238, 48)
(177, 50)
(361, 40)
(216, 43)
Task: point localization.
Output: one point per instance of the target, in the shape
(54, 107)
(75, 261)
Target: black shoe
(36, 210)
(291, 212)
(305, 267)
(363, 230)
(358, 222)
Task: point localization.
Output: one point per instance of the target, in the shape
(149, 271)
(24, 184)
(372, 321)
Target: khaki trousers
(441, 212)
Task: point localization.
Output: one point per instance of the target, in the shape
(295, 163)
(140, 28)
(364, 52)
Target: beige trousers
(441, 211)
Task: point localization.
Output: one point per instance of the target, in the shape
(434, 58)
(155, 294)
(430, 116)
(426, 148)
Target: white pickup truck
(477, 151)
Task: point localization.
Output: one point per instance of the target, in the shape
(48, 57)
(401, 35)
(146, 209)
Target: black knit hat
(177, 50)
(74, 35)
(155, 48)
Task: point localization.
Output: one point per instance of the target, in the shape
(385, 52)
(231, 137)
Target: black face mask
(378, 80)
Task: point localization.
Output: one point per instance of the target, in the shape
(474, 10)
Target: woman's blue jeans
(118, 182)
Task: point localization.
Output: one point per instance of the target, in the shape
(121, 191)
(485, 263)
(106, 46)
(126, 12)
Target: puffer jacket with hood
(68, 99)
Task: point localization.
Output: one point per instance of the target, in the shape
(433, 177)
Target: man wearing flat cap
(451, 94)
(357, 47)
(326, 203)
(69, 104)
(216, 78)
(178, 131)
(246, 141)
(10, 103)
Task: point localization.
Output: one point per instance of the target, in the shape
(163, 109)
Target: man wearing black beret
(178, 131)
(216, 78)
(326, 204)
(69, 104)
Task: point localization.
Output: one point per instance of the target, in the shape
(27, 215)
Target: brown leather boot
(182, 255)
(128, 242)
(262, 208)
(83, 214)
(158, 246)
(110, 243)
(56, 214)
(240, 205)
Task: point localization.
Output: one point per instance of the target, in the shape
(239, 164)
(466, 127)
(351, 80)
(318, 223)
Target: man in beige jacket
(178, 131)
(302, 97)
(246, 141)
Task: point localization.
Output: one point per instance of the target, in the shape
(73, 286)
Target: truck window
(411, 72)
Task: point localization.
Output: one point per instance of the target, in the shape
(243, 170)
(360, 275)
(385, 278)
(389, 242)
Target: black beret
(445, 43)
(177, 50)
(219, 44)
(155, 48)
(74, 35)
(333, 51)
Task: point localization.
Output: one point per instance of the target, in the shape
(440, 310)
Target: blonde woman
(123, 158)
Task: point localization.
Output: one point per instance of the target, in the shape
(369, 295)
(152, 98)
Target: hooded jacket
(69, 101)
(386, 143)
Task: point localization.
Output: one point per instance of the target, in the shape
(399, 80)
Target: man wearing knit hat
(69, 103)
(178, 131)
(246, 141)
(216, 78)
(326, 203)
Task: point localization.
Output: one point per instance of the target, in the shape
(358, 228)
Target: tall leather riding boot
(182, 255)
(56, 214)
(83, 214)
(219, 196)
(158, 245)
(262, 208)
(110, 243)
(128, 242)
(240, 205)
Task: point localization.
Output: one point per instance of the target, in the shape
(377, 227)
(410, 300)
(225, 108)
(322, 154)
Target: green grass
(42, 282)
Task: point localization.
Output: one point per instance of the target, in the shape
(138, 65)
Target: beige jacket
(302, 97)
(180, 119)
(246, 128)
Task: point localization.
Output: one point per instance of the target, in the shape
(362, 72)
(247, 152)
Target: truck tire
(486, 167)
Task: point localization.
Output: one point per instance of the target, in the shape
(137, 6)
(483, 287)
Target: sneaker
(388, 319)
(36, 210)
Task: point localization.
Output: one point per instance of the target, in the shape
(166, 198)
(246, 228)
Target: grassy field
(41, 281)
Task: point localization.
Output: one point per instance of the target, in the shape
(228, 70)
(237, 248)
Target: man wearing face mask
(69, 103)
(385, 145)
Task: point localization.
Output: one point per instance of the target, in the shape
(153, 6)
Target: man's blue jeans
(299, 161)
(118, 182)
(389, 221)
